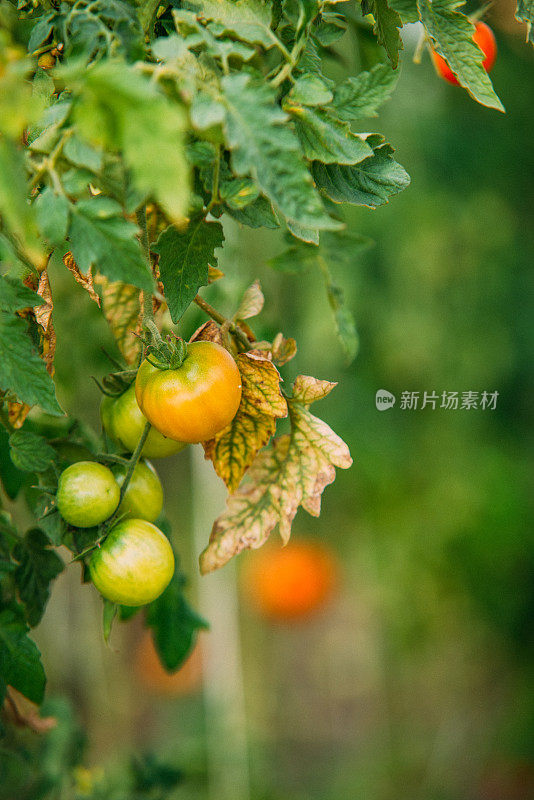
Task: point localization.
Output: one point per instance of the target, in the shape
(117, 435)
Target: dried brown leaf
(43, 317)
(293, 471)
(214, 274)
(86, 281)
(208, 332)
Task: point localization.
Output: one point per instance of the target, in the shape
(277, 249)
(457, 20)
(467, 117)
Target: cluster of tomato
(134, 562)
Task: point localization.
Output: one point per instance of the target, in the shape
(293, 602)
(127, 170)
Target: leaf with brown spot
(122, 309)
(84, 280)
(214, 274)
(235, 447)
(17, 413)
(292, 471)
(283, 350)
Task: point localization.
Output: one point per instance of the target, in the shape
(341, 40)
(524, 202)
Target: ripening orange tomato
(291, 582)
(484, 38)
(194, 401)
(153, 677)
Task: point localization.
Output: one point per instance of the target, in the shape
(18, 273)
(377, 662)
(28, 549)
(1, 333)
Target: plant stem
(148, 312)
(136, 455)
(215, 185)
(222, 320)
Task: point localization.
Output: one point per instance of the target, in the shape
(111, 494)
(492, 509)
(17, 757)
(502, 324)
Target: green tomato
(134, 565)
(87, 494)
(124, 422)
(143, 498)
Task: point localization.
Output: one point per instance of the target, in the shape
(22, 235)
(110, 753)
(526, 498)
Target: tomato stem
(132, 463)
(222, 320)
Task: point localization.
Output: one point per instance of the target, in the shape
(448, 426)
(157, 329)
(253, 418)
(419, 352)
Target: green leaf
(360, 97)
(343, 317)
(30, 452)
(452, 36)
(21, 369)
(386, 27)
(122, 109)
(50, 520)
(525, 13)
(37, 568)
(14, 296)
(101, 237)
(174, 624)
(407, 9)
(184, 257)
(264, 147)
(17, 214)
(325, 138)
(258, 214)
(81, 154)
(20, 660)
(368, 183)
(249, 20)
(11, 477)
(310, 90)
(52, 215)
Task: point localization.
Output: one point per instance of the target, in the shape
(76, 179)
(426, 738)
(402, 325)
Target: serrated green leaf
(452, 36)
(310, 90)
(30, 452)
(20, 660)
(184, 257)
(37, 568)
(368, 183)
(360, 97)
(264, 147)
(52, 212)
(343, 317)
(386, 27)
(21, 369)
(120, 108)
(14, 295)
(310, 235)
(249, 20)
(101, 237)
(174, 624)
(325, 138)
(50, 520)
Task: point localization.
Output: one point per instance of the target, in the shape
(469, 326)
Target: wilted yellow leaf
(234, 448)
(208, 332)
(252, 302)
(43, 317)
(283, 350)
(293, 471)
(122, 309)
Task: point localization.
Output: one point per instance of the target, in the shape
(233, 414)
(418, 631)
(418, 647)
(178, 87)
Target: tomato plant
(195, 401)
(134, 565)
(484, 38)
(132, 137)
(87, 494)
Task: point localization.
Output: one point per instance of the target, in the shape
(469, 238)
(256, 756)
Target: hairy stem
(222, 320)
(148, 311)
(132, 463)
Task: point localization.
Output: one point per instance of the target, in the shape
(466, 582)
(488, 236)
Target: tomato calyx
(168, 353)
